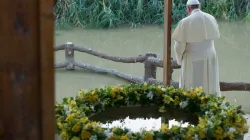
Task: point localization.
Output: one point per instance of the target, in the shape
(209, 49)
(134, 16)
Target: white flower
(210, 123)
(223, 105)
(232, 129)
(183, 104)
(92, 107)
(68, 112)
(196, 137)
(93, 137)
(108, 133)
(65, 107)
(150, 95)
(129, 132)
(223, 112)
(163, 89)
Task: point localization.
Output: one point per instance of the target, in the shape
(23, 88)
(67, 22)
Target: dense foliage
(111, 13)
(218, 119)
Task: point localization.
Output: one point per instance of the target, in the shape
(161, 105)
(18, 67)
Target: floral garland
(218, 119)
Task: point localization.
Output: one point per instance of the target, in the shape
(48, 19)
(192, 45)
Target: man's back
(194, 47)
(197, 27)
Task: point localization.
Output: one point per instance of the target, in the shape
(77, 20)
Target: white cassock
(194, 49)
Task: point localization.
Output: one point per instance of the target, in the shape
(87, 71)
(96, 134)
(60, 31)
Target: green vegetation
(217, 118)
(112, 13)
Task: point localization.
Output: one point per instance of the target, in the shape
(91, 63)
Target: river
(233, 49)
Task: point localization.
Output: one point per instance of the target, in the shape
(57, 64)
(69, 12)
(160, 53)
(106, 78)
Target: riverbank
(112, 14)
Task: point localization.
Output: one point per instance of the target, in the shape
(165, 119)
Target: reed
(112, 13)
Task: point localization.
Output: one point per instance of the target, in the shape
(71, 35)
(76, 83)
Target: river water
(233, 49)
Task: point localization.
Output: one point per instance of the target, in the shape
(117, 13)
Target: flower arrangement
(218, 119)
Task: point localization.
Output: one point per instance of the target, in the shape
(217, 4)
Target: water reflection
(139, 124)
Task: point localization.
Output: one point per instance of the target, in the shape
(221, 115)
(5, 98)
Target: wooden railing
(150, 60)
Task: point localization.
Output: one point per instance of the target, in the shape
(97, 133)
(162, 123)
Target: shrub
(217, 118)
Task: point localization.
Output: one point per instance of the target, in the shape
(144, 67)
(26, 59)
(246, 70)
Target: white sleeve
(179, 49)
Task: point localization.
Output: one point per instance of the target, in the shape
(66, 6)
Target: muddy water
(233, 50)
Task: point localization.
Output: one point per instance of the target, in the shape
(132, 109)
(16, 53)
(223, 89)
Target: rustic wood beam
(138, 59)
(60, 47)
(224, 86)
(128, 77)
(159, 63)
(167, 42)
(27, 84)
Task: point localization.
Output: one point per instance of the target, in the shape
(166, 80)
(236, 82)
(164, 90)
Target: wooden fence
(150, 60)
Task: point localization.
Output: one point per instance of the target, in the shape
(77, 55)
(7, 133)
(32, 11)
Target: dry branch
(140, 58)
(234, 86)
(159, 62)
(224, 86)
(60, 47)
(61, 65)
(128, 77)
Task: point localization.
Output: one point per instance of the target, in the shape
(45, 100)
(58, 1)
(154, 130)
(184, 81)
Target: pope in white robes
(194, 49)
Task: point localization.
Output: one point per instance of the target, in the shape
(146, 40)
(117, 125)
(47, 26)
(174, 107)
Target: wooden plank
(167, 42)
(47, 68)
(22, 71)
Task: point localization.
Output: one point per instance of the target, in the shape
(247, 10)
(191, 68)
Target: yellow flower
(76, 128)
(201, 128)
(69, 117)
(159, 90)
(131, 89)
(111, 138)
(162, 109)
(185, 93)
(119, 98)
(59, 124)
(202, 134)
(125, 137)
(93, 98)
(64, 135)
(176, 100)
(230, 135)
(190, 133)
(98, 129)
(203, 100)
(137, 96)
(75, 138)
(218, 133)
(167, 99)
(148, 137)
(164, 128)
(197, 90)
(73, 103)
(215, 105)
(90, 125)
(84, 120)
(85, 135)
(113, 94)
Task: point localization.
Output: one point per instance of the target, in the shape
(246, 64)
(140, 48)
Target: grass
(112, 13)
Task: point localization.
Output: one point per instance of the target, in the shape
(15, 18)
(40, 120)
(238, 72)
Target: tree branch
(128, 77)
(140, 58)
(224, 86)
(60, 47)
(61, 65)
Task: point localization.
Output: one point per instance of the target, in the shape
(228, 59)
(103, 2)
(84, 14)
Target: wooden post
(69, 55)
(26, 70)
(150, 69)
(167, 42)
(172, 69)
